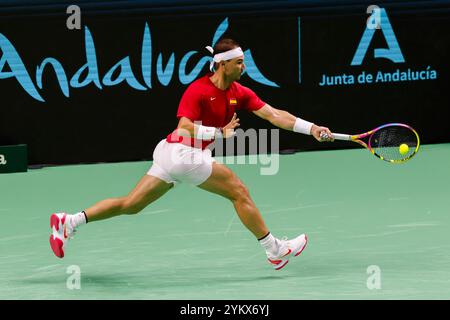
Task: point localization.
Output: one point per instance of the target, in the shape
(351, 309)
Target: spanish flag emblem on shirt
(233, 101)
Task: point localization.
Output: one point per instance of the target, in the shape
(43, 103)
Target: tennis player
(206, 112)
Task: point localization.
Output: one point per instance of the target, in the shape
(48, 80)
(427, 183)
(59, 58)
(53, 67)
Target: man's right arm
(187, 128)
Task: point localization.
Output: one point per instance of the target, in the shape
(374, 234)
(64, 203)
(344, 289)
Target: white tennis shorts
(176, 162)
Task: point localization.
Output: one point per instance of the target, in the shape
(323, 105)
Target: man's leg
(148, 189)
(225, 182)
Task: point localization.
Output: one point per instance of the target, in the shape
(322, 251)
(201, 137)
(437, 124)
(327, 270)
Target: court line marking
(230, 224)
(378, 234)
(18, 237)
(154, 212)
(48, 268)
(304, 207)
(415, 224)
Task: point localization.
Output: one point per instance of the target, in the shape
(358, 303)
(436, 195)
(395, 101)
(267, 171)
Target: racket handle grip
(340, 136)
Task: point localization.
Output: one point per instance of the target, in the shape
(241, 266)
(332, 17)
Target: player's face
(234, 68)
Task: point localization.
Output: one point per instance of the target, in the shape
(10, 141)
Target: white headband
(227, 55)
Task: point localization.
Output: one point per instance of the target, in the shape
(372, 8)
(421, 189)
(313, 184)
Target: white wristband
(302, 126)
(207, 133)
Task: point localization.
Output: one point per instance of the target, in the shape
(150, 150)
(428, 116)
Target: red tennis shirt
(205, 104)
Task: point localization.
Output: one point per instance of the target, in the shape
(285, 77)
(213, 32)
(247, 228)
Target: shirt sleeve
(250, 101)
(190, 104)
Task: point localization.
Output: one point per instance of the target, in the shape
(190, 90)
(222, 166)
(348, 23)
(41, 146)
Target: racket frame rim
(357, 138)
(393, 124)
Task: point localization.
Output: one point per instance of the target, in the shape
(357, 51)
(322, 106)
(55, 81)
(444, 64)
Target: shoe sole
(303, 247)
(297, 254)
(282, 266)
(55, 243)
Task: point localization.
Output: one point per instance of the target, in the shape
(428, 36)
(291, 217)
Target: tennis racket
(392, 142)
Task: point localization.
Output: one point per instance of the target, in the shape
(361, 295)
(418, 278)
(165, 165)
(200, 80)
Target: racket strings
(386, 143)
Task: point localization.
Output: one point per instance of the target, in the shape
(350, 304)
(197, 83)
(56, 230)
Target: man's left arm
(284, 120)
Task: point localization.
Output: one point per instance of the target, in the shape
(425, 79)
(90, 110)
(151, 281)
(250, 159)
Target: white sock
(77, 219)
(269, 243)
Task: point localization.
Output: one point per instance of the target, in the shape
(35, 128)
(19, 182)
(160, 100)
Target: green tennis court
(360, 214)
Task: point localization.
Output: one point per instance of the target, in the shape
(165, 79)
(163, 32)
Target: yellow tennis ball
(403, 149)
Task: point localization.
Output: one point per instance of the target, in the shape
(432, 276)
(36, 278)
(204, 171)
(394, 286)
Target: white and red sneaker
(287, 249)
(62, 232)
